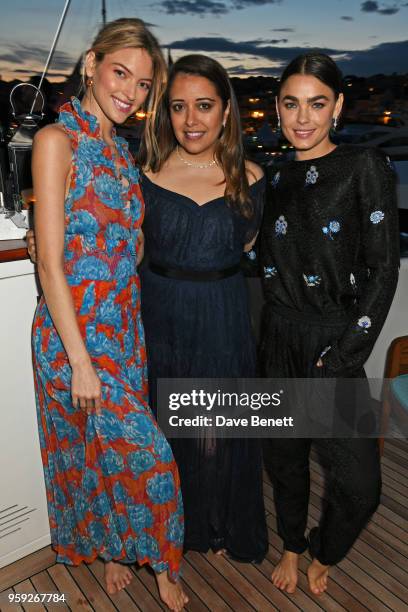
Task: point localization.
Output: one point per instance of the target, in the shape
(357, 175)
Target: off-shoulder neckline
(175, 194)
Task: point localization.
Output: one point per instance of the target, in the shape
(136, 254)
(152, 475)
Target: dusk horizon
(249, 37)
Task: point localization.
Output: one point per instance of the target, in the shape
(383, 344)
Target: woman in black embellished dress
(330, 256)
(204, 205)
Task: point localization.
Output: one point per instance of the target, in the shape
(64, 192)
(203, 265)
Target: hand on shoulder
(254, 172)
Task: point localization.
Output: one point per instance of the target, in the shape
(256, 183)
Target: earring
(89, 82)
(334, 123)
(278, 127)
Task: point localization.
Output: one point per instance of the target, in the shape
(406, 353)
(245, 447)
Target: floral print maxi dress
(112, 483)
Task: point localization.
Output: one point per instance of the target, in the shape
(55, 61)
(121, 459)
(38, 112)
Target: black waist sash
(194, 275)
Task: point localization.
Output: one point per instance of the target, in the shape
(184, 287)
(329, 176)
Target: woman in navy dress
(203, 208)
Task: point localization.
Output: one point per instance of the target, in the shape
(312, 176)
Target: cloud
(282, 29)
(194, 7)
(268, 41)
(382, 58)
(347, 18)
(249, 47)
(241, 71)
(209, 7)
(373, 7)
(51, 74)
(19, 53)
(243, 4)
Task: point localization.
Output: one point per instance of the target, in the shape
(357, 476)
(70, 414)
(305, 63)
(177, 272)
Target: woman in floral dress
(330, 255)
(112, 483)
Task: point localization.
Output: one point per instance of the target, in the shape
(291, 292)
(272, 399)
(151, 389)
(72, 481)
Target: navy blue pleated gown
(202, 329)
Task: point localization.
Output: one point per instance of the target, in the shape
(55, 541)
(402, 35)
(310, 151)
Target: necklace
(210, 164)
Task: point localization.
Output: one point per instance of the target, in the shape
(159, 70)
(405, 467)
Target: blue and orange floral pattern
(112, 484)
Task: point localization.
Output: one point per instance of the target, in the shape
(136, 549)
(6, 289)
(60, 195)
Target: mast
(104, 12)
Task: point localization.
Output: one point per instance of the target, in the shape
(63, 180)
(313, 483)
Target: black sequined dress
(330, 249)
(330, 257)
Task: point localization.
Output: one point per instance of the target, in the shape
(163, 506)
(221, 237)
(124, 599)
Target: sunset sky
(249, 37)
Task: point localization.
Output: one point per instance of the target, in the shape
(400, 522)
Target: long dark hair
(229, 150)
(318, 65)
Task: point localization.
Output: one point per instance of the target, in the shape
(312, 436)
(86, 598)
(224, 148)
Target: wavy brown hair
(229, 151)
(131, 32)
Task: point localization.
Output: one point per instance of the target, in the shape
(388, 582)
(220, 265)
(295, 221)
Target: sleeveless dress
(111, 480)
(202, 329)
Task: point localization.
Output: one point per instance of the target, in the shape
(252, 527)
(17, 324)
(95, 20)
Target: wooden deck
(374, 576)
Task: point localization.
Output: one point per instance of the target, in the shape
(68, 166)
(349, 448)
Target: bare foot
(221, 552)
(285, 574)
(117, 576)
(171, 593)
(317, 575)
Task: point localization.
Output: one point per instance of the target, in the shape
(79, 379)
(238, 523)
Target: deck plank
(374, 575)
(95, 594)
(244, 585)
(44, 584)
(6, 605)
(24, 568)
(219, 582)
(206, 593)
(75, 598)
(27, 588)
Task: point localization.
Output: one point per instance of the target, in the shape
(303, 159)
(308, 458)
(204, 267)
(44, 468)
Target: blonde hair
(132, 33)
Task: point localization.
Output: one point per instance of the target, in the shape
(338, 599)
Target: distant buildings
(378, 99)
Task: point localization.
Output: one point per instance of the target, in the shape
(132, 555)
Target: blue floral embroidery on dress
(270, 271)
(312, 175)
(275, 180)
(312, 280)
(377, 216)
(332, 228)
(251, 255)
(390, 163)
(281, 226)
(363, 324)
(325, 350)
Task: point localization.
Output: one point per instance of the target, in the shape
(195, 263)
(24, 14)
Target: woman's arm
(379, 239)
(254, 173)
(51, 162)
